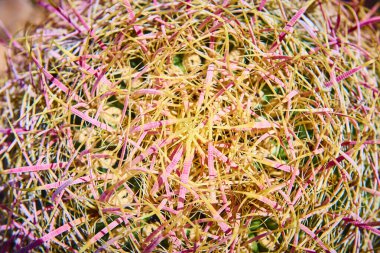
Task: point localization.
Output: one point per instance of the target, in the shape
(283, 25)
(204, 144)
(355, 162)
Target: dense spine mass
(192, 126)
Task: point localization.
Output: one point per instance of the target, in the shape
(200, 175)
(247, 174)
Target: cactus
(192, 126)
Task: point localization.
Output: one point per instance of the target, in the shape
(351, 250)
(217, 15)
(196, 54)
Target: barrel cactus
(192, 126)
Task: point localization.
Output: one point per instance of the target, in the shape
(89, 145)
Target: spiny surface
(192, 126)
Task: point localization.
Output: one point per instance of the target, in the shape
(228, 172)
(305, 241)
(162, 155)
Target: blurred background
(15, 14)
